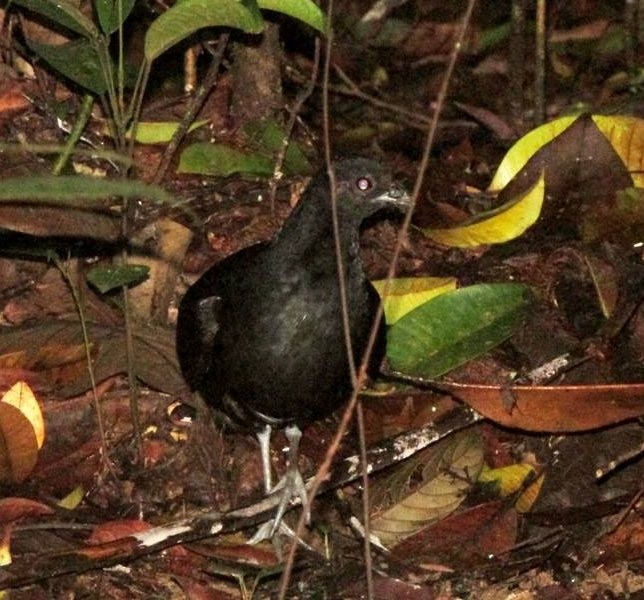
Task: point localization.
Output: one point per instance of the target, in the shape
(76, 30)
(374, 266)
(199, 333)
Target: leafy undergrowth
(516, 337)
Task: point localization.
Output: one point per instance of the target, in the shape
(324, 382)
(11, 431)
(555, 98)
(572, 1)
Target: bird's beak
(396, 197)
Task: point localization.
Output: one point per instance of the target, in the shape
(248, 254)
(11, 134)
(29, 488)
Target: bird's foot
(267, 532)
(291, 486)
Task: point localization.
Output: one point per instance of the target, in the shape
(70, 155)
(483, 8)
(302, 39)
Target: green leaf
(63, 13)
(455, 327)
(108, 13)
(304, 10)
(105, 279)
(159, 132)
(407, 293)
(77, 60)
(221, 161)
(188, 16)
(89, 193)
(267, 138)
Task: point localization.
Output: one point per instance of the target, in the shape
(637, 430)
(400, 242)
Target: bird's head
(363, 188)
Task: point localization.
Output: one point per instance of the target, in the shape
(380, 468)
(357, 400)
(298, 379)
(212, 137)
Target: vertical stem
(79, 126)
(517, 60)
(540, 64)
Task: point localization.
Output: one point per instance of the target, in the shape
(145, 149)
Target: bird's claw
(291, 486)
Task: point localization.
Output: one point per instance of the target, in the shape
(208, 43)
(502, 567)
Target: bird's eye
(364, 184)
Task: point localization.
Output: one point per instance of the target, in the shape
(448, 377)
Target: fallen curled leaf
(18, 445)
(465, 537)
(116, 530)
(12, 509)
(21, 396)
(510, 479)
(450, 470)
(553, 408)
(500, 225)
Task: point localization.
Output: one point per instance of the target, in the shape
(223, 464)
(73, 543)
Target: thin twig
(88, 356)
(193, 108)
(301, 98)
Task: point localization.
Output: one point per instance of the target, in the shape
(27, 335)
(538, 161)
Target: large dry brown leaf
(55, 349)
(553, 408)
(581, 168)
(464, 538)
(60, 222)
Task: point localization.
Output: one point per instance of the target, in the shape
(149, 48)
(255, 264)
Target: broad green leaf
(304, 10)
(77, 60)
(188, 16)
(455, 327)
(105, 279)
(407, 293)
(500, 225)
(160, 132)
(63, 13)
(75, 190)
(222, 161)
(108, 13)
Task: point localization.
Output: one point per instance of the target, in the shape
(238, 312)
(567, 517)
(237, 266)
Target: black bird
(260, 334)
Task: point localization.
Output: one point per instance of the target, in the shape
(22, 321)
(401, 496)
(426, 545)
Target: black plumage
(260, 334)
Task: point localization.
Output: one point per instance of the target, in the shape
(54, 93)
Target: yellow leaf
(505, 223)
(521, 152)
(406, 293)
(21, 396)
(18, 446)
(5, 549)
(511, 479)
(626, 135)
(73, 499)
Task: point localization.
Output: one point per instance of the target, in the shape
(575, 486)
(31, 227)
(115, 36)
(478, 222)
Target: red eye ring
(364, 184)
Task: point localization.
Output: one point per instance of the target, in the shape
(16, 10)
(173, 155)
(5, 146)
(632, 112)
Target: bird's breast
(285, 354)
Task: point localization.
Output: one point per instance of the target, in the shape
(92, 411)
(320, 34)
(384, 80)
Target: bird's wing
(201, 312)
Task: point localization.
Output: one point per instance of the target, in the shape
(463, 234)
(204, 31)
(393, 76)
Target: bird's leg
(292, 483)
(264, 438)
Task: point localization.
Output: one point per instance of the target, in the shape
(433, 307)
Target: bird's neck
(311, 232)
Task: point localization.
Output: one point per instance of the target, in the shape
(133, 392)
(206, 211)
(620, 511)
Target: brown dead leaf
(116, 530)
(18, 445)
(56, 348)
(626, 543)
(60, 222)
(463, 538)
(581, 168)
(12, 509)
(431, 38)
(553, 408)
